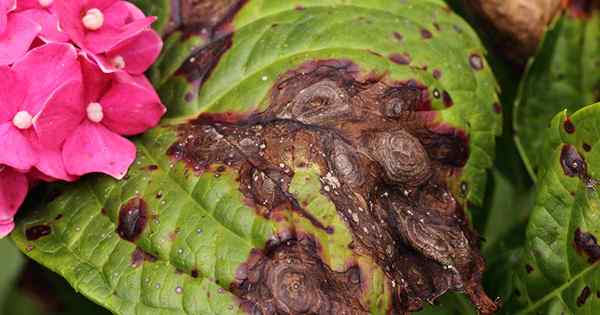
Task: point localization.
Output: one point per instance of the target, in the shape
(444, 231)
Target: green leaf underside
(554, 274)
(565, 74)
(200, 225)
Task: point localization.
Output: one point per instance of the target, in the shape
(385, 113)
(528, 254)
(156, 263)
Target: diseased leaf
(565, 74)
(318, 157)
(558, 272)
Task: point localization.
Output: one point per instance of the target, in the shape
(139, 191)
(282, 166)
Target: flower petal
(107, 37)
(13, 190)
(117, 14)
(50, 163)
(99, 4)
(135, 12)
(138, 52)
(3, 17)
(16, 38)
(93, 148)
(69, 15)
(28, 4)
(16, 150)
(12, 94)
(61, 115)
(131, 109)
(95, 82)
(49, 22)
(46, 68)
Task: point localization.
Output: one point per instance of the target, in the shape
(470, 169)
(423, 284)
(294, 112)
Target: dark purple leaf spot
(447, 99)
(189, 97)
(398, 36)
(152, 167)
(195, 273)
(586, 243)
(426, 34)
(528, 268)
(476, 62)
(437, 74)
(139, 256)
(401, 59)
(132, 219)
(568, 125)
(572, 163)
(587, 147)
(497, 108)
(34, 233)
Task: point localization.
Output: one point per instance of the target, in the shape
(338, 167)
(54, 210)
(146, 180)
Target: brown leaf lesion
(290, 278)
(384, 164)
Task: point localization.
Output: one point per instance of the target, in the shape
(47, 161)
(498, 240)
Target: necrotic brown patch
(132, 219)
(207, 18)
(291, 279)
(382, 162)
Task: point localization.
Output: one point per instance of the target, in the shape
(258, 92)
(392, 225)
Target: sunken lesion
(382, 165)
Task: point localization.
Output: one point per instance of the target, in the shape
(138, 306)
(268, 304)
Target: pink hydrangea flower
(92, 116)
(24, 89)
(42, 12)
(17, 32)
(100, 25)
(134, 55)
(13, 189)
(5, 7)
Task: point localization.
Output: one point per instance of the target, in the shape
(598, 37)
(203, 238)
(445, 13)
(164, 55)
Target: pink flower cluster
(71, 87)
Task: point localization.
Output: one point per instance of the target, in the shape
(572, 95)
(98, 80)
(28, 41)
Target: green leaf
(199, 228)
(564, 74)
(558, 272)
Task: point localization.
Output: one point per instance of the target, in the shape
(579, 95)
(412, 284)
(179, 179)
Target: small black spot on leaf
(583, 296)
(34, 233)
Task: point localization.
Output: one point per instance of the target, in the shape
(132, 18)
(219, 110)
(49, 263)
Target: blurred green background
(26, 288)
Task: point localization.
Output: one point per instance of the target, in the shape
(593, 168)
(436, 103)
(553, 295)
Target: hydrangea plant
(292, 157)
